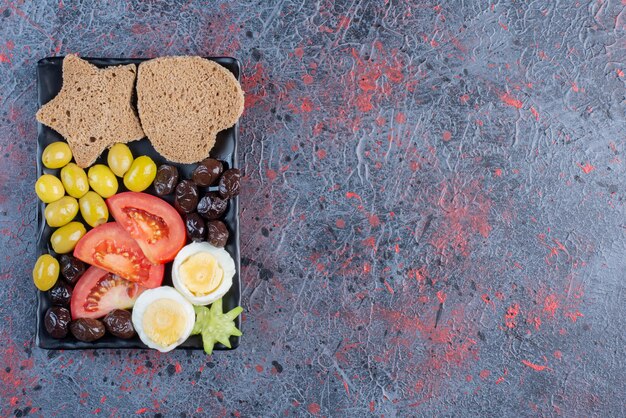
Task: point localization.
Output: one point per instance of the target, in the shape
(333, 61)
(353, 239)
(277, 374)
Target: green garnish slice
(215, 326)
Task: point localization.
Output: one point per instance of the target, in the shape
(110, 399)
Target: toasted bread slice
(184, 102)
(93, 110)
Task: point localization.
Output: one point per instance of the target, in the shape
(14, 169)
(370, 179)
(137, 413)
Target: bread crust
(94, 108)
(183, 102)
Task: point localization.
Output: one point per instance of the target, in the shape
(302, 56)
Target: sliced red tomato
(152, 222)
(98, 292)
(111, 248)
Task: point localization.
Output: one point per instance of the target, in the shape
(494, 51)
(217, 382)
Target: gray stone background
(432, 210)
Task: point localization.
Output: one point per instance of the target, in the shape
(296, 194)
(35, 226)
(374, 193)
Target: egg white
(224, 260)
(151, 295)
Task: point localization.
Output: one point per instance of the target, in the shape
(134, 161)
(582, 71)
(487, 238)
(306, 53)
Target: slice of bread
(93, 110)
(184, 102)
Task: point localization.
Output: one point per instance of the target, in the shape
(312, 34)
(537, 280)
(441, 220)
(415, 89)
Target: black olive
(56, 321)
(119, 323)
(217, 233)
(229, 183)
(165, 180)
(87, 329)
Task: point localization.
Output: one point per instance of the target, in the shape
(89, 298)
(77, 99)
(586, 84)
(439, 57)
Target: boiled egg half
(203, 273)
(163, 318)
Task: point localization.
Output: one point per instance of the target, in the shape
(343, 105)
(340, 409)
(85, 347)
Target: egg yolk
(164, 321)
(201, 273)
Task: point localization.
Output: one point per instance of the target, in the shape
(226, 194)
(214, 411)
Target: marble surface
(432, 214)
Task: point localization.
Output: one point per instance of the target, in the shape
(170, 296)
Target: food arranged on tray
(114, 228)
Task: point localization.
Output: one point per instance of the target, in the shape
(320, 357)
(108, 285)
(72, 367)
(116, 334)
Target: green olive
(61, 212)
(75, 180)
(141, 174)
(102, 180)
(49, 188)
(56, 155)
(64, 239)
(120, 159)
(93, 209)
(46, 272)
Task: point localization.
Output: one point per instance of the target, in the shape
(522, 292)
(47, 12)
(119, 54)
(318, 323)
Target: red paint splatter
(259, 368)
(373, 220)
(141, 411)
(550, 305)
(511, 101)
(485, 297)
(321, 154)
(511, 314)
(4, 58)
(372, 406)
(307, 105)
(536, 321)
(419, 274)
(299, 52)
(534, 112)
(340, 223)
(587, 168)
(254, 86)
(573, 316)
(536, 367)
(464, 98)
(368, 76)
(317, 129)
(178, 367)
(484, 374)
(400, 118)
(367, 82)
(314, 408)
(388, 286)
(620, 73)
(441, 296)
(450, 342)
(370, 242)
(498, 172)
(447, 135)
(558, 354)
(352, 195)
(307, 79)
(466, 213)
(364, 102)
(139, 29)
(270, 174)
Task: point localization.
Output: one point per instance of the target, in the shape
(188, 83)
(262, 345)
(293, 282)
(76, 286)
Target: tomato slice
(98, 292)
(152, 222)
(111, 248)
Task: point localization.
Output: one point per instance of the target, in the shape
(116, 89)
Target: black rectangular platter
(49, 83)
